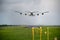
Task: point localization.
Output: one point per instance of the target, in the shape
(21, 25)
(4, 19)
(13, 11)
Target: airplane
(32, 13)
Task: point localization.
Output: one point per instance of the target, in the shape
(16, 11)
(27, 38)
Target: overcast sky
(8, 16)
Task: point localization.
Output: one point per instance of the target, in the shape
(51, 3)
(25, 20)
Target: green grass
(21, 33)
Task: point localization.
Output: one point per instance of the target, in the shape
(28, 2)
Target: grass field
(22, 33)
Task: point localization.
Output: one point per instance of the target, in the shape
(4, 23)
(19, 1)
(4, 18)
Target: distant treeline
(3, 25)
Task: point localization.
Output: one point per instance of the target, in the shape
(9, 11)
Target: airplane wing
(17, 11)
(45, 12)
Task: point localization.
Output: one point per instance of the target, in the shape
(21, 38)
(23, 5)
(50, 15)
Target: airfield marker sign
(55, 38)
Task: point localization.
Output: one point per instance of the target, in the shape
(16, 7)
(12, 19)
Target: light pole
(32, 33)
(47, 33)
(40, 33)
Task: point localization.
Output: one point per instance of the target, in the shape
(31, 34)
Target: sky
(10, 17)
